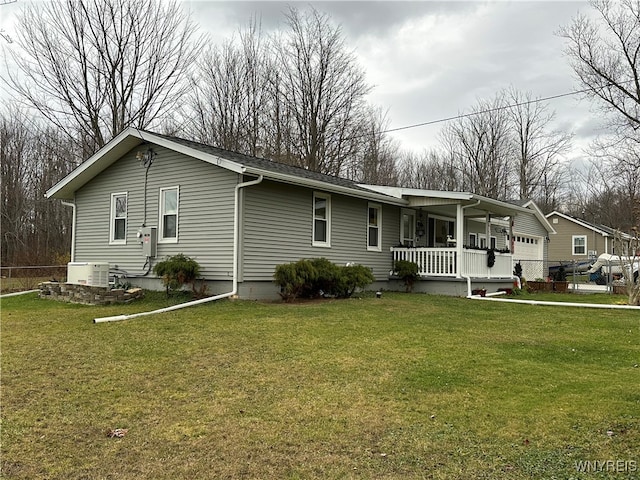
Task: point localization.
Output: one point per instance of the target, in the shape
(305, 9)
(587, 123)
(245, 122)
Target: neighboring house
(241, 216)
(579, 240)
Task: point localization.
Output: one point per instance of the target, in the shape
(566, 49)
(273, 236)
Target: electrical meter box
(149, 241)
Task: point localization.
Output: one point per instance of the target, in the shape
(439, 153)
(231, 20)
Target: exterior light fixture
(146, 158)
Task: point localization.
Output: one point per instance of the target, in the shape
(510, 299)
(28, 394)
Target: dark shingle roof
(264, 164)
(593, 225)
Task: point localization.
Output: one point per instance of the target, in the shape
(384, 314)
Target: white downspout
(234, 290)
(236, 230)
(512, 249)
(466, 277)
(459, 237)
(73, 229)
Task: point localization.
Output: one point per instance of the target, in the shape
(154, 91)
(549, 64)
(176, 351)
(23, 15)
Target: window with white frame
(483, 241)
(169, 198)
(579, 243)
(374, 227)
(118, 219)
(321, 220)
(473, 240)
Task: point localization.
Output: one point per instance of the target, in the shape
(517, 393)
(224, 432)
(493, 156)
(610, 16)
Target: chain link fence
(577, 274)
(18, 279)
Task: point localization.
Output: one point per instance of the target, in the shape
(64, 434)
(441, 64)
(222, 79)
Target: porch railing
(433, 262)
(443, 262)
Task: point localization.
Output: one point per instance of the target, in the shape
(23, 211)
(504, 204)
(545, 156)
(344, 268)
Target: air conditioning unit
(593, 253)
(92, 274)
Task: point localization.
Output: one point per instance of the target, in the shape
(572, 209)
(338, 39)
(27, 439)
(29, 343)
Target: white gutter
(234, 290)
(73, 229)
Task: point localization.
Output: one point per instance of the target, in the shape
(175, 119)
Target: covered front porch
(449, 262)
(456, 236)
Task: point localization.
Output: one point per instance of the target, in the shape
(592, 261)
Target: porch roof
(443, 202)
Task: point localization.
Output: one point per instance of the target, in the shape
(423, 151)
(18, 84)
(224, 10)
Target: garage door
(528, 250)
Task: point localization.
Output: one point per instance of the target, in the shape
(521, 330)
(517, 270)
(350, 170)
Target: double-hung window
(493, 242)
(169, 198)
(321, 220)
(118, 219)
(579, 244)
(374, 228)
(473, 240)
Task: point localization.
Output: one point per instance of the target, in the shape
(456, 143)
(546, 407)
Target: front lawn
(404, 386)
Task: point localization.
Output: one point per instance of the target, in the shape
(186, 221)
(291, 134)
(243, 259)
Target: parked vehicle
(613, 264)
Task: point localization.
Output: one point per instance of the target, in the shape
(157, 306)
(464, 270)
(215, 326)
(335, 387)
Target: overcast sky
(430, 60)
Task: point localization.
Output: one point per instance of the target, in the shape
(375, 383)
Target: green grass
(405, 386)
(596, 298)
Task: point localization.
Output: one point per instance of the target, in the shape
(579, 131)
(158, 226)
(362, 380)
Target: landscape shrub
(295, 279)
(353, 277)
(176, 271)
(328, 277)
(407, 271)
(320, 277)
(560, 275)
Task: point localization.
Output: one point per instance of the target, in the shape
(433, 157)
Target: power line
(488, 110)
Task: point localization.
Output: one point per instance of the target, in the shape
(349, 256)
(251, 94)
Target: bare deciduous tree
(615, 200)
(432, 170)
(538, 150)
(605, 56)
(376, 161)
(34, 229)
(480, 144)
(231, 94)
(94, 67)
(321, 92)
(604, 52)
(629, 248)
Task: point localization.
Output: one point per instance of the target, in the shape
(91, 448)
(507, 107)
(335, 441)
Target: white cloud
(430, 60)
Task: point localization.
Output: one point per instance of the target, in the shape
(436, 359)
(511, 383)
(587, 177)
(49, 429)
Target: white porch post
(487, 225)
(459, 239)
(512, 243)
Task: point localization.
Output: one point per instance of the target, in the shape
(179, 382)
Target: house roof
(243, 164)
(236, 162)
(603, 230)
(477, 205)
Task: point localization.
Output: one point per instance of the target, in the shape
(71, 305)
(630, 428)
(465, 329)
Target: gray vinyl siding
(528, 225)
(277, 229)
(479, 228)
(205, 212)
